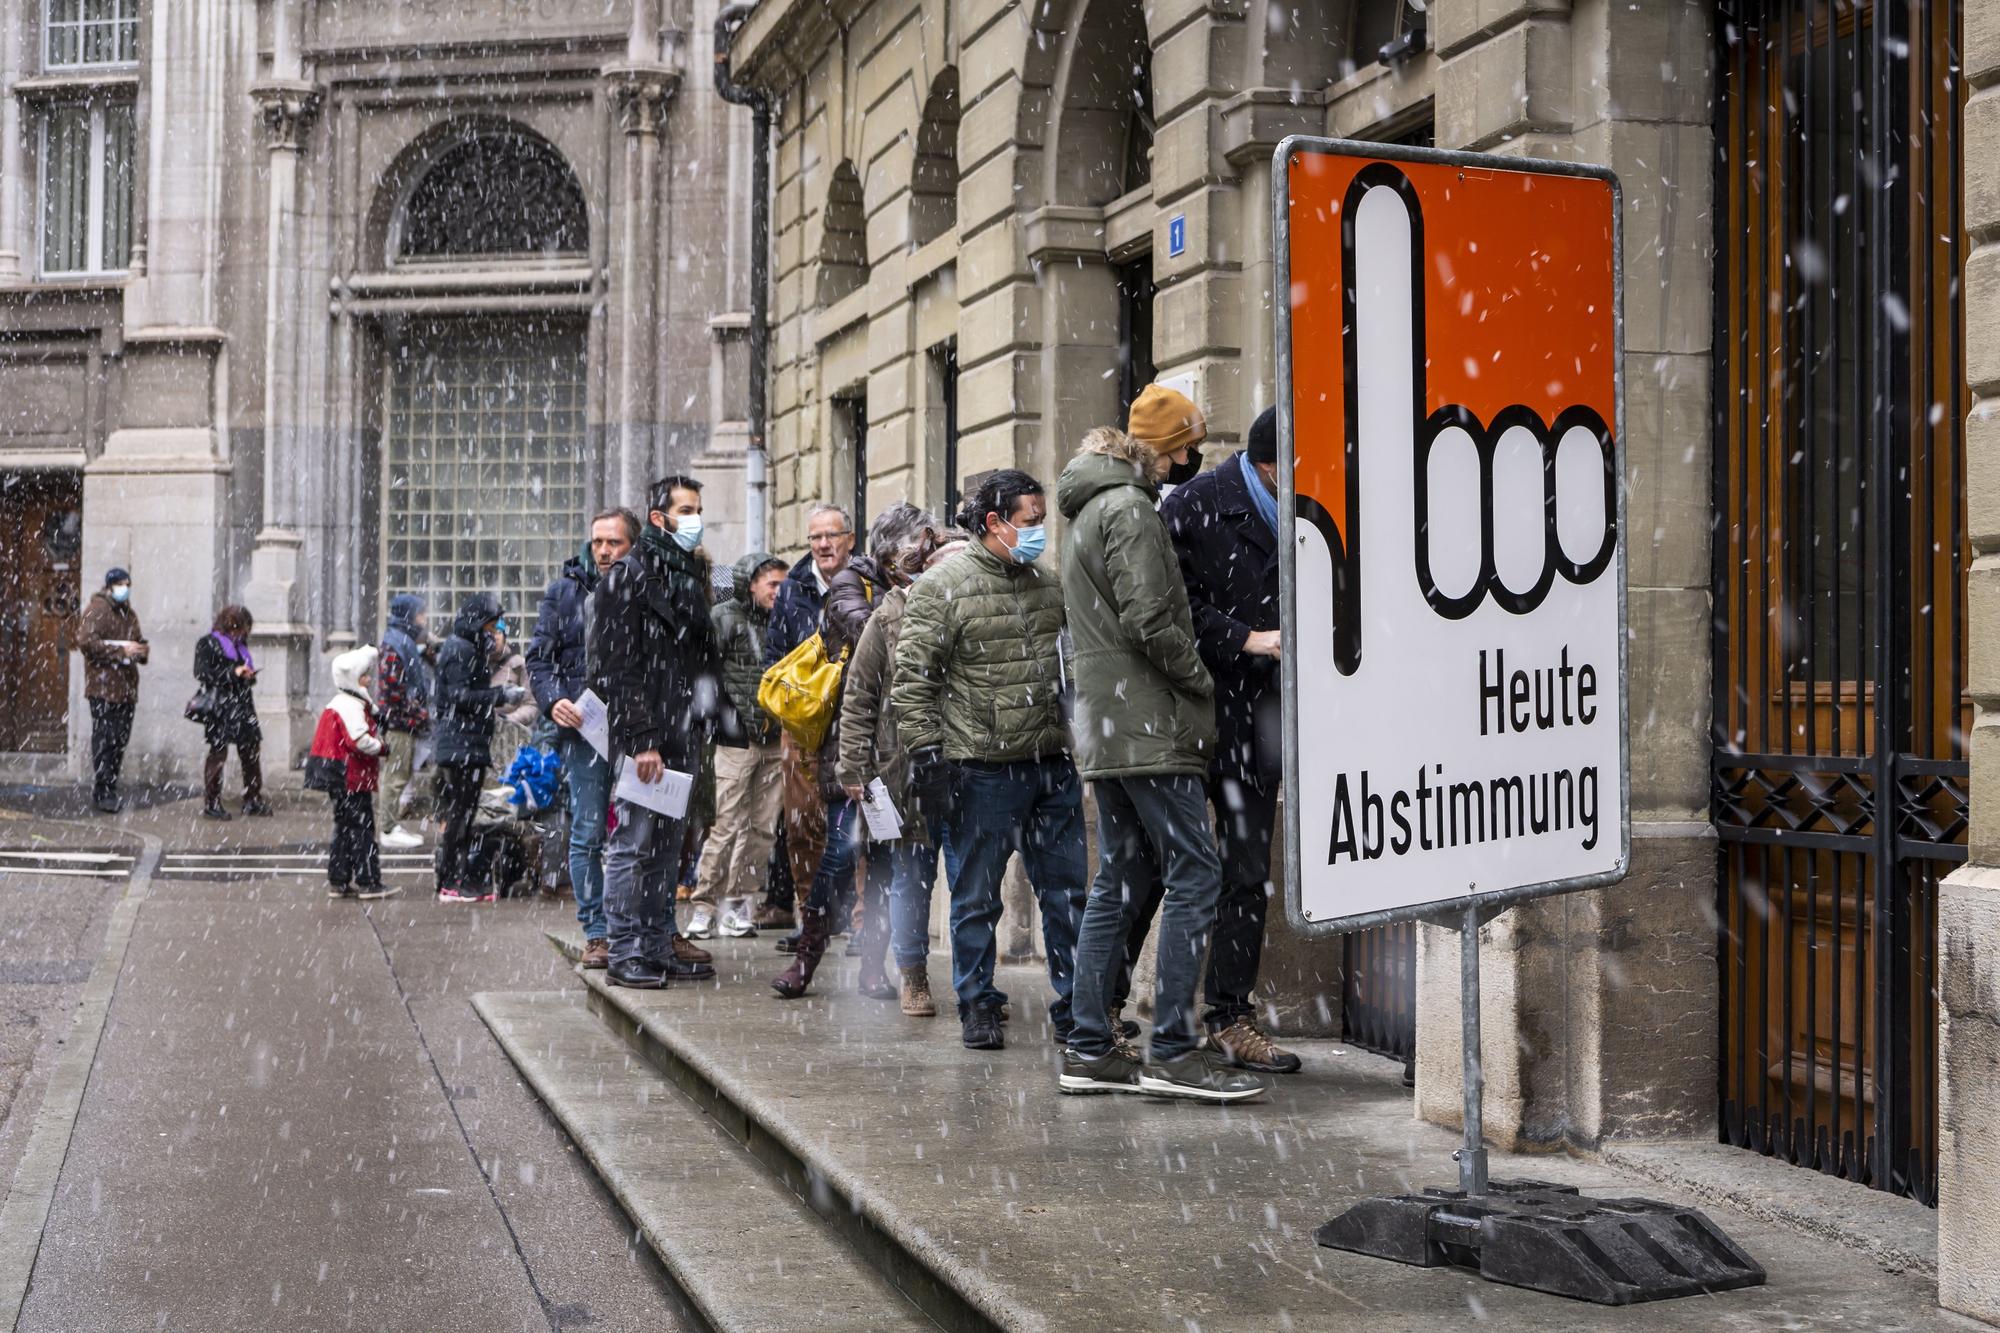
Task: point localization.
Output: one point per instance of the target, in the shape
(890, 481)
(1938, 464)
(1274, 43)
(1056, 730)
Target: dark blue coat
(465, 692)
(795, 615)
(1229, 561)
(556, 654)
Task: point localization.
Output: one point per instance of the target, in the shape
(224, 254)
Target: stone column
(276, 592)
(1599, 1007)
(13, 193)
(639, 91)
(1969, 906)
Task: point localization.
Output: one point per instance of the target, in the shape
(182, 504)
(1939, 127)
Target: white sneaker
(401, 839)
(702, 924)
(736, 923)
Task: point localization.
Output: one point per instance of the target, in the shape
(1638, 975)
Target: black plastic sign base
(1530, 1233)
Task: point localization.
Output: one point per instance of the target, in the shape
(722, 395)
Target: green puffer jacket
(739, 625)
(978, 666)
(1145, 704)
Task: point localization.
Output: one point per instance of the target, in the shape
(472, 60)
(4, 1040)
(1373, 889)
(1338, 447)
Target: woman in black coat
(227, 675)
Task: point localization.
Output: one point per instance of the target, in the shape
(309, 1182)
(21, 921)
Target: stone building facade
(307, 302)
(993, 219)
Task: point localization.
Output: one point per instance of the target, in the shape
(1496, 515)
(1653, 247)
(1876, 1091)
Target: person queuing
(851, 598)
(651, 658)
(749, 769)
(350, 741)
(978, 698)
(226, 674)
(404, 676)
(113, 649)
(1224, 526)
(870, 750)
(557, 672)
(794, 619)
(1145, 729)
(464, 729)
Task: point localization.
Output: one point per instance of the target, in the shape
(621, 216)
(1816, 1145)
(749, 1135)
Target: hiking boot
(701, 924)
(1200, 1075)
(1243, 1045)
(687, 951)
(257, 807)
(773, 918)
(917, 1001)
(981, 1031)
(792, 982)
(214, 810)
(370, 892)
(1116, 1071)
(596, 954)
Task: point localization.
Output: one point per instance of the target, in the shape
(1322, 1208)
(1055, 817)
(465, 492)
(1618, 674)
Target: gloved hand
(513, 694)
(933, 784)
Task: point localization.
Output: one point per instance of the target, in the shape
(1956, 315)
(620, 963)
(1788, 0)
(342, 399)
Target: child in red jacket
(347, 752)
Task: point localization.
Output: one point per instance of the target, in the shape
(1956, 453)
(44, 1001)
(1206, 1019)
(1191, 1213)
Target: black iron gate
(1839, 573)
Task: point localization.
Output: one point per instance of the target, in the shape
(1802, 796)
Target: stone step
(747, 1252)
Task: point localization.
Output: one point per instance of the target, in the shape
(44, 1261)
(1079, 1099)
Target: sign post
(1452, 569)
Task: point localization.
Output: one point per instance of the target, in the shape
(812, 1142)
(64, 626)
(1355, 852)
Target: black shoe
(108, 802)
(981, 1031)
(676, 969)
(370, 892)
(340, 890)
(214, 810)
(639, 975)
(789, 943)
(257, 807)
(1200, 1075)
(1115, 1072)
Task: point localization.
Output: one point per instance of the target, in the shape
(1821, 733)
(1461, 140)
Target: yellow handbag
(802, 691)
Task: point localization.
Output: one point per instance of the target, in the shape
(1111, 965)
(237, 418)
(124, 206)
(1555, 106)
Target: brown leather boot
(688, 951)
(792, 982)
(917, 1001)
(596, 954)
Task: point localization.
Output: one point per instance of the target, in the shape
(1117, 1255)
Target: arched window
(498, 192)
(934, 177)
(1105, 139)
(843, 245)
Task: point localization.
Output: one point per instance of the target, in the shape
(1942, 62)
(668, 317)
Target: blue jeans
(589, 779)
(835, 874)
(914, 864)
(1034, 807)
(641, 864)
(1150, 830)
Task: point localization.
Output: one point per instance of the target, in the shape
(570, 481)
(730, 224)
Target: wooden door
(41, 540)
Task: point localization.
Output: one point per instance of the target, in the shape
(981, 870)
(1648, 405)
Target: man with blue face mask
(113, 650)
(978, 700)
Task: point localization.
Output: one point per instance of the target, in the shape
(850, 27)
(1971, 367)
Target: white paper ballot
(669, 795)
(596, 726)
(884, 825)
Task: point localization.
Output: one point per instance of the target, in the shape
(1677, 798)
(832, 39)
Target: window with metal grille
(483, 475)
(497, 193)
(78, 33)
(86, 183)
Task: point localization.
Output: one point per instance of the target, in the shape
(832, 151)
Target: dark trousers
(457, 798)
(1244, 815)
(110, 732)
(352, 858)
(1151, 831)
(249, 753)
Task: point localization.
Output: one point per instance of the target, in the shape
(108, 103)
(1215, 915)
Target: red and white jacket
(348, 731)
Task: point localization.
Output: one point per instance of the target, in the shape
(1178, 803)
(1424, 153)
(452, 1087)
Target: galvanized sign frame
(1448, 906)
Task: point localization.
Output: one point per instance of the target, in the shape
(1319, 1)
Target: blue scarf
(1261, 499)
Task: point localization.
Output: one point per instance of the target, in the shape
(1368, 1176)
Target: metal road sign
(1452, 561)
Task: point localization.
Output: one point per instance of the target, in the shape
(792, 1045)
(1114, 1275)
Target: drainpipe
(756, 460)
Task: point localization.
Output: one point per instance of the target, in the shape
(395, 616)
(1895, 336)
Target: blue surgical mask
(687, 531)
(500, 625)
(1029, 543)
(121, 593)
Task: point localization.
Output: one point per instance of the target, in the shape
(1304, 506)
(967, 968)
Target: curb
(26, 1213)
(955, 1296)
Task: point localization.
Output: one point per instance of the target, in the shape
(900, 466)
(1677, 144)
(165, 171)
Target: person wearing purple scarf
(226, 707)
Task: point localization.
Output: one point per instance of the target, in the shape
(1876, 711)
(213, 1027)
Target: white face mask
(687, 531)
(121, 593)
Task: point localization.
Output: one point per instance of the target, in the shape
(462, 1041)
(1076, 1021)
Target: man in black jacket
(1224, 526)
(652, 659)
(466, 697)
(556, 674)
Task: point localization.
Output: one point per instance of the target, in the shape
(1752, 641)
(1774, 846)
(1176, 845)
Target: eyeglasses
(818, 537)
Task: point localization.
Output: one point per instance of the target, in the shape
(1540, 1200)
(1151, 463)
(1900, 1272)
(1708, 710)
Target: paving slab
(749, 1254)
(1049, 1212)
